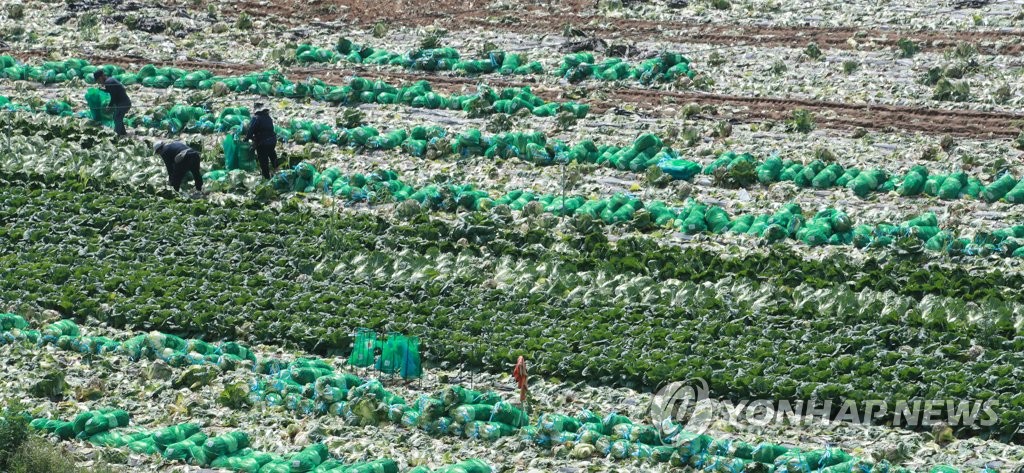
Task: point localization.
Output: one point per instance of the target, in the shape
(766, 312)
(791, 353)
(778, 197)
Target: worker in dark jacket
(179, 159)
(119, 101)
(264, 139)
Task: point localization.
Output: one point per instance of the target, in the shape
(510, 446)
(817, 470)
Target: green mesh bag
(770, 170)
(1016, 195)
(466, 466)
(226, 444)
(62, 328)
(951, 188)
(184, 450)
(509, 414)
(681, 169)
(741, 224)
(998, 189)
(12, 321)
(309, 458)
(467, 413)
(99, 106)
(174, 434)
(363, 348)
(106, 421)
(245, 461)
(914, 182)
(827, 177)
(376, 466)
(146, 446)
(458, 395)
(717, 219)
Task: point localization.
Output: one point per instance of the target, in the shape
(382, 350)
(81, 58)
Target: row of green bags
(368, 403)
(663, 68)
(186, 443)
(301, 376)
(465, 466)
(816, 174)
(645, 151)
(461, 412)
(917, 181)
(85, 425)
(829, 226)
(648, 150)
(574, 67)
(426, 59)
(613, 435)
(273, 83)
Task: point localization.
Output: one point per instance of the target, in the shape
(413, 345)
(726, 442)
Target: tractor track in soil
(533, 17)
(651, 102)
(624, 29)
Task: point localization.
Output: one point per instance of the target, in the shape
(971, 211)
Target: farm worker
(264, 139)
(179, 159)
(119, 101)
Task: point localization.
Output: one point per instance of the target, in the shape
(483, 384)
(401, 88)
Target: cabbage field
(779, 203)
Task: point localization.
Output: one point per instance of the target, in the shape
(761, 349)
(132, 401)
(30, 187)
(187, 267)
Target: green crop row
(300, 381)
(910, 273)
(269, 273)
(826, 227)
(274, 84)
(574, 67)
(230, 451)
(310, 386)
(729, 169)
(79, 152)
(744, 169)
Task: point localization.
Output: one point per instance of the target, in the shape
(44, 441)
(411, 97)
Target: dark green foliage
(778, 67)
(234, 396)
(13, 432)
(37, 455)
(245, 266)
(908, 48)
(947, 90)
(802, 121)
(741, 174)
(812, 51)
(51, 386)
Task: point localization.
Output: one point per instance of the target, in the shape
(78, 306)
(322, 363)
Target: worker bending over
(179, 159)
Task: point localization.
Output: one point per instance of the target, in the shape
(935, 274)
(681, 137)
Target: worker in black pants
(180, 159)
(120, 104)
(264, 139)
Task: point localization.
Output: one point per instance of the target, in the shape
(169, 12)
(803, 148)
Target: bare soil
(534, 16)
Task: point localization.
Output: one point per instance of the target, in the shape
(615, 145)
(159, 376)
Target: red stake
(519, 373)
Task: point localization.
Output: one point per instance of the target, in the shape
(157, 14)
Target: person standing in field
(179, 159)
(119, 101)
(264, 139)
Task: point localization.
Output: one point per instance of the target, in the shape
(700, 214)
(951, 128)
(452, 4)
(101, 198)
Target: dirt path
(844, 115)
(828, 114)
(660, 103)
(770, 36)
(537, 17)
